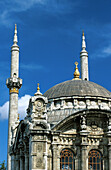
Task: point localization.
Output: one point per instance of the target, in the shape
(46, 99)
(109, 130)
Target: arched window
(67, 160)
(95, 160)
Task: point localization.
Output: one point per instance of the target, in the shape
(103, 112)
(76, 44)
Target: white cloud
(20, 5)
(4, 111)
(22, 106)
(8, 8)
(107, 50)
(31, 66)
(102, 53)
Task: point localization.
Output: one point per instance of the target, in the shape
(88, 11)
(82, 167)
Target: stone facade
(39, 146)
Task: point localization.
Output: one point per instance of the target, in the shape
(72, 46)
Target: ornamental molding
(14, 90)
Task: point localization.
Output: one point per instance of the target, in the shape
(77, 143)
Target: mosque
(66, 128)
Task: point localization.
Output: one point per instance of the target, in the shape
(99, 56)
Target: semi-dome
(77, 88)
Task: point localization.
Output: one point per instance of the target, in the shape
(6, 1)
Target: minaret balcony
(14, 82)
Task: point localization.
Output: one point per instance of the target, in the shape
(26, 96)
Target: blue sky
(49, 34)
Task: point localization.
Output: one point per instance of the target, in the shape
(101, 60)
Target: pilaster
(21, 160)
(54, 151)
(109, 156)
(38, 150)
(21, 148)
(84, 144)
(26, 160)
(13, 163)
(17, 162)
(109, 142)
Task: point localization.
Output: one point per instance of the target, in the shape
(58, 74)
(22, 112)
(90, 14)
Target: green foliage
(2, 166)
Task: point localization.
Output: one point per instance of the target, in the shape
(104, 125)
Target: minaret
(84, 60)
(13, 83)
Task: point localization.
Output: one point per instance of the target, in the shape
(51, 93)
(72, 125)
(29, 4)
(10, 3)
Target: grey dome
(77, 88)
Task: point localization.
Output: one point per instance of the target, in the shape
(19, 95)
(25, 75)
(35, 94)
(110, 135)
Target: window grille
(67, 160)
(95, 160)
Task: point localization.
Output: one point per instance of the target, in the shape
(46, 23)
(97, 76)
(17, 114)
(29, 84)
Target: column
(84, 155)
(30, 152)
(21, 160)
(84, 144)
(12, 162)
(109, 141)
(78, 159)
(17, 162)
(109, 151)
(58, 161)
(45, 159)
(54, 157)
(26, 161)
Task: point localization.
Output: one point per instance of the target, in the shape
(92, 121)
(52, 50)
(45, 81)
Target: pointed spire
(83, 41)
(84, 60)
(15, 35)
(38, 90)
(76, 73)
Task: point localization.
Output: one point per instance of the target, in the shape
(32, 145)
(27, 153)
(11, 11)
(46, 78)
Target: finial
(15, 27)
(76, 64)
(76, 73)
(83, 41)
(18, 116)
(38, 90)
(15, 35)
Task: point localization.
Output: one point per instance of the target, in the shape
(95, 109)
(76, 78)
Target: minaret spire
(15, 35)
(84, 60)
(83, 41)
(14, 83)
(15, 55)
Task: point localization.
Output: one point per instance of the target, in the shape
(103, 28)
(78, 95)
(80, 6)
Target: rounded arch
(67, 160)
(95, 161)
(73, 150)
(73, 116)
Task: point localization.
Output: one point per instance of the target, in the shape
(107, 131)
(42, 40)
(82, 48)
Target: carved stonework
(109, 125)
(39, 105)
(39, 156)
(95, 127)
(39, 163)
(96, 124)
(83, 122)
(38, 138)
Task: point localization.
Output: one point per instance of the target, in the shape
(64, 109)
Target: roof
(77, 88)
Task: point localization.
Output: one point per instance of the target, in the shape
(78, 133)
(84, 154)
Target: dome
(77, 88)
